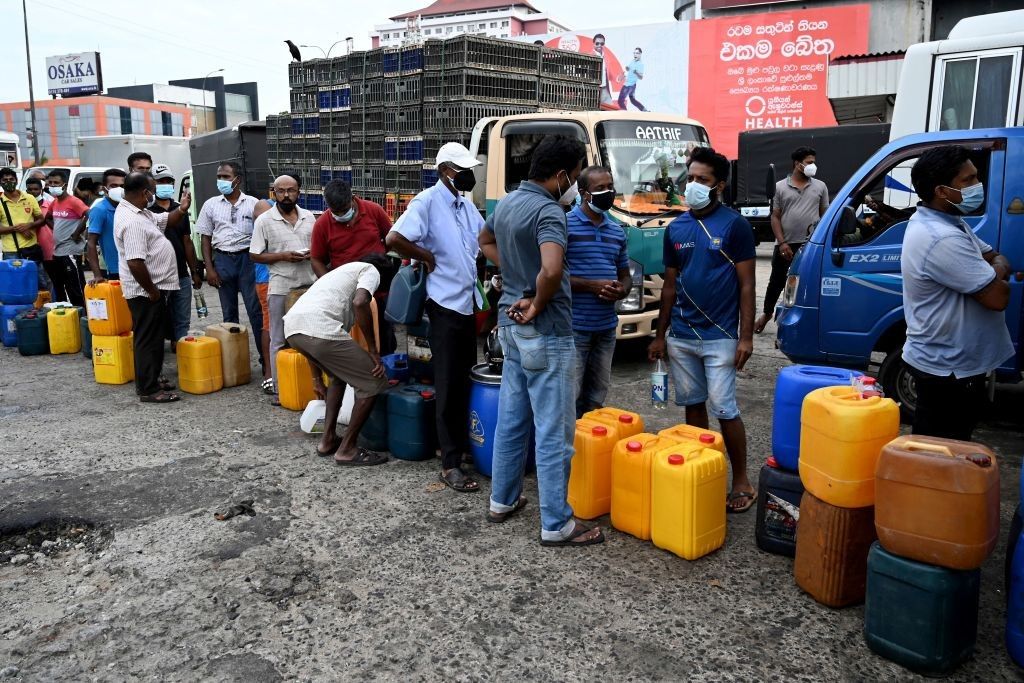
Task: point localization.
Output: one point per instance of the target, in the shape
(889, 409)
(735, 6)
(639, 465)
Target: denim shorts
(705, 371)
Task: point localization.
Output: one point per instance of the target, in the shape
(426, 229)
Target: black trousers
(68, 278)
(946, 406)
(777, 280)
(149, 322)
(453, 347)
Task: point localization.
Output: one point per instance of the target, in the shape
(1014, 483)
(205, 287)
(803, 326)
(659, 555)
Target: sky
(193, 37)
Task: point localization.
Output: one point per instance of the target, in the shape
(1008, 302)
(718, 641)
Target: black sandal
(160, 397)
(570, 542)
(363, 458)
(499, 517)
(165, 384)
(457, 480)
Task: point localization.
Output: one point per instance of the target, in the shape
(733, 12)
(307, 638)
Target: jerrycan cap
(393, 382)
(676, 459)
(427, 394)
(599, 431)
(115, 283)
(980, 459)
(707, 438)
(234, 329)
(634, 446)
(189, 339)
(626, 419)
(772, 462)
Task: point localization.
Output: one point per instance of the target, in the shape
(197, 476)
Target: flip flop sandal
(165, 384)
(267, 387)
(569, 541)
(457, 480)
(750, 495)
(324, 454)
(364, 458)
(160, 397)
(499, 517)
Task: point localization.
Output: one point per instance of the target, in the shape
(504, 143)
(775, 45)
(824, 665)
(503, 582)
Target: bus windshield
(648, 162)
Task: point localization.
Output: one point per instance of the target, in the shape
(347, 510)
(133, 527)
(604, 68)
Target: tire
(898, 384)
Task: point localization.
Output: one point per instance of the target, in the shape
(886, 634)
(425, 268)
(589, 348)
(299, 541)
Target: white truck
(110, 151)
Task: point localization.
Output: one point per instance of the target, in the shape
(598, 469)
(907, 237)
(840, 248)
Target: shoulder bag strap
(10, 223)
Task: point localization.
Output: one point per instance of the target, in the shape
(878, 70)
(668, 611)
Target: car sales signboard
(74, 74)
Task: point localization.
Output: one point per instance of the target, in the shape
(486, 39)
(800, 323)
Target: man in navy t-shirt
(708, 297)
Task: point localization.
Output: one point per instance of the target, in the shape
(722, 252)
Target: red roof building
(450, 18)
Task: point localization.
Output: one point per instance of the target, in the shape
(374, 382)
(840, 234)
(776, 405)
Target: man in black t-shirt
(179, 304)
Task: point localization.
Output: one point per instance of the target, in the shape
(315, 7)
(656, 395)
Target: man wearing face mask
(101, 228)
(67, 217)
(148, 272)
(954, 293)
(439, 229)
(527, 237)
(599, 275)
(800, 201)
(708, 293)
(179, 302)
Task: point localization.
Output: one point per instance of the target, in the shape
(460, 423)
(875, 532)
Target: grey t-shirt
(948, 332)
(800, 209)
(521, 222)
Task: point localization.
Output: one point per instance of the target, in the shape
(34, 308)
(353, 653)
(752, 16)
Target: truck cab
(843, 302)
(647, 154)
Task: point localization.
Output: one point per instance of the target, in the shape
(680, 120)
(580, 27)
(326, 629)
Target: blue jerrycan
(408, 295)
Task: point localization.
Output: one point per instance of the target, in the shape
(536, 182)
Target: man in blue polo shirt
(101, 227)
(708, 293)
(599, 275)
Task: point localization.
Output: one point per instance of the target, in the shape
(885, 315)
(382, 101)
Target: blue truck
(843, 302)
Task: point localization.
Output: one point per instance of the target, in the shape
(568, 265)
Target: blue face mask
(973, 197)
(697, 196)
(164, 191)
(225, 187)
(345, 217)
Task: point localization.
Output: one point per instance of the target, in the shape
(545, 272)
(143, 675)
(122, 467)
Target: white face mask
(115, 194)
(811, 170)
(569, 196)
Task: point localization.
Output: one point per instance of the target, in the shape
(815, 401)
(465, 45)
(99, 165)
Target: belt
(222, 251)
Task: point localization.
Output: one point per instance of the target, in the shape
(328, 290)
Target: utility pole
(31, 96)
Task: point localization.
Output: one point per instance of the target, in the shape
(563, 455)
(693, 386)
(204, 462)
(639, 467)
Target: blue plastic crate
(341, 98)
(343, 173)
(429, 176)
(412, 59)
(311, 125)
(410, 150)
(324, 102)
(392, 61)
(390, 150)
(326, 174)
(297, 126)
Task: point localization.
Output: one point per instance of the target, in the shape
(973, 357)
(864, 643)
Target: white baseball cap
(457, 155)
(162, 171)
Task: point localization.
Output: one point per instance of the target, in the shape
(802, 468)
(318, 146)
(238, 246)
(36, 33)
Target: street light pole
(328, 52)
(206, 115)
(31, 95)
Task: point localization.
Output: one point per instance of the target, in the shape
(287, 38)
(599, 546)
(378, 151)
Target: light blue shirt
(634, 70)
(948, 332)
(447, 226)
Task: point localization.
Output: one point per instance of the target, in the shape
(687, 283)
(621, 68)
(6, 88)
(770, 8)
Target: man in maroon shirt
(350, 229)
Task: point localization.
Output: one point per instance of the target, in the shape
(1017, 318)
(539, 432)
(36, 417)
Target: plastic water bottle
(201, 310)
(659, 386)
(867, 386)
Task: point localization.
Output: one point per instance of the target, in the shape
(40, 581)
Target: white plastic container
(312, 419)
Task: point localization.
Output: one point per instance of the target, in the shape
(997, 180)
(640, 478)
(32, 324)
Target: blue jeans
(238, 276)
(594, 351)
(537, 383)
(705, 371)
(179, 306)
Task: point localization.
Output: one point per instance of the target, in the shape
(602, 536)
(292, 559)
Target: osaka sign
(75, 74)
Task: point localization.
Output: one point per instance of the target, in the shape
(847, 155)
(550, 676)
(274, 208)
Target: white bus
(10, 152)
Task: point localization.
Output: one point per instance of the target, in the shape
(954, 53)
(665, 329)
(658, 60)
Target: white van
(74, 174)
(970, 80)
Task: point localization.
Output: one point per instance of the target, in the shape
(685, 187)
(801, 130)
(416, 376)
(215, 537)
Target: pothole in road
(49, 537)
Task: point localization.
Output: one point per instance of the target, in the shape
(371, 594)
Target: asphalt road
(379, 573)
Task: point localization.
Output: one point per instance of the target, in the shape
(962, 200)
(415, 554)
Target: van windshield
(648, 161)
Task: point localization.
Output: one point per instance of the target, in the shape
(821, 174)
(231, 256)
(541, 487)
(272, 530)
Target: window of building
(504, 24)
(482, 26)
(126, 120)
(387, 36)
(449, 29)
(461, 29)
(165, 123)
(494, 24)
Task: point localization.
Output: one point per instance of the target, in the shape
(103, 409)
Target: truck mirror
(769, 183)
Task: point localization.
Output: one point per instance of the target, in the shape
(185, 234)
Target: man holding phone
(281, 240)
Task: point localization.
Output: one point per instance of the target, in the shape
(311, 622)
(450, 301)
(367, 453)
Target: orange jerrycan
(626, 423)
(199, 365)
(832, 545)
(937, 501)
(113, 359)
(107, 309)
(294, 381)
(64, 331)
(841, 437)
(631, 482)
(234, 352)
(685, 432)
(688, 500)
(590, 478)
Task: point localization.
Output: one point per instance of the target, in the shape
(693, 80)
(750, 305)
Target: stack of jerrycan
(688, 483)
(937, 517)
(590, 476)
(842, 435)
(33, 339)
(18, 289)
(110, 323)
(779, 488)
(199, 365)
(64, 330)
(236, 366)
(1015, 584)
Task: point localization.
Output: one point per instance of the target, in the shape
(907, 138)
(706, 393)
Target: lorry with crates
(376, 119)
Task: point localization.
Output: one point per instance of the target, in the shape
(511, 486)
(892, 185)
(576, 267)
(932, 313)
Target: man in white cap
(440, 229)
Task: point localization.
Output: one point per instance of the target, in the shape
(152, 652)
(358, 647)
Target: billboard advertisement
(74, 74)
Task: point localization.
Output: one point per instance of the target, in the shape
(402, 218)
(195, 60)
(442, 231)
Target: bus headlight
(789, 294)
(634, 301)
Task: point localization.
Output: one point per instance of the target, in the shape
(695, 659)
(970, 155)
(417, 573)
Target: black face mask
(464, 180)
(603, 200)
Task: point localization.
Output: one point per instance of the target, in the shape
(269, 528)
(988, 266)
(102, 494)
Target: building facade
(214, 104)
(451, 18)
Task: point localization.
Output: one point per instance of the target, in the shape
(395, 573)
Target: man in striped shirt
(599, 275)
(149, 270)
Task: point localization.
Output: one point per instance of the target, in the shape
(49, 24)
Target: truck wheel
(898, 384)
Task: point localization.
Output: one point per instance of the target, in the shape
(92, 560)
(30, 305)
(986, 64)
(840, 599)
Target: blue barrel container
(19, 281)
(919, 615)
(396, 365)
(483, 419)
(778, 509)
(793, 384)
(412, 434)
(33, 338)
(374, 434)
(8, 328)
(1015, 590)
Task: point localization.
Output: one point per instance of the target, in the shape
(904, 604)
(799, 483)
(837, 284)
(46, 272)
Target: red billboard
(761, 71)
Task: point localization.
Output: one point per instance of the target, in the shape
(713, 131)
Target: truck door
(861, 284)
(1011, 243)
